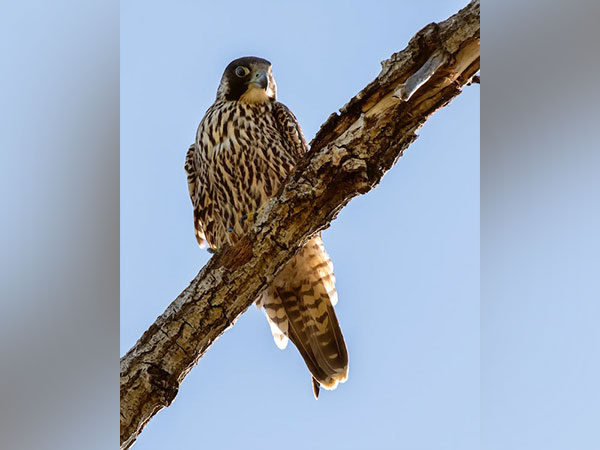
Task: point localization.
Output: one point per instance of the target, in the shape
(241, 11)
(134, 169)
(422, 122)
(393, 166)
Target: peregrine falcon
(245, 147)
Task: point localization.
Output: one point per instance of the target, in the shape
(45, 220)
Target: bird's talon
(246, 217)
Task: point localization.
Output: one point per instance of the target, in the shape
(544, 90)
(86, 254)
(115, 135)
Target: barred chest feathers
(243, 158)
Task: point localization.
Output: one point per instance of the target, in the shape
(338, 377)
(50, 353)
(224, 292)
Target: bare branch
(349, 156)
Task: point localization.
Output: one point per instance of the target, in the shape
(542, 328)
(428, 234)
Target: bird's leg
(232, 236)
(246, 221)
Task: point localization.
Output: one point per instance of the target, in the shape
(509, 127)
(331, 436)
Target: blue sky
(406, 255)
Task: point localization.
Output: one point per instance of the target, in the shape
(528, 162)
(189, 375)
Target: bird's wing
(195, 189)
(290, 129)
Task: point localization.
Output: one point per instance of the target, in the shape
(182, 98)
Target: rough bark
(348, 156)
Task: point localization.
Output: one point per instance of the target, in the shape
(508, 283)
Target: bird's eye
(241, 71)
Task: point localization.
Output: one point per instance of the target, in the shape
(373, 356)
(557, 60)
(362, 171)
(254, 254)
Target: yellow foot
(249, 218)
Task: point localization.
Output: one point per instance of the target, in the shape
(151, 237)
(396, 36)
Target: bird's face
(248, 80)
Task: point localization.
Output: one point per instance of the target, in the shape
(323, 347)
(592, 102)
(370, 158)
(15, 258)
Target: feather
(299, 300)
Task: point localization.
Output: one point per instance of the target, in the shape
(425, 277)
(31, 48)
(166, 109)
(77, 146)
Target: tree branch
(349, 156)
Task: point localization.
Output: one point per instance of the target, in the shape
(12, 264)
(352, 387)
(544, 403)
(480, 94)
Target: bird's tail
(299, 306)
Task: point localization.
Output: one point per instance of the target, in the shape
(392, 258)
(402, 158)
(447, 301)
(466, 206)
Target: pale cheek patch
(255, 95)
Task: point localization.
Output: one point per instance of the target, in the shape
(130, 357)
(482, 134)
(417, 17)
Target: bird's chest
(243, 143)
(240, 135)
(245, 156)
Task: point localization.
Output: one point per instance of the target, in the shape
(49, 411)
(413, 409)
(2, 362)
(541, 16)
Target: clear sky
(406, 255)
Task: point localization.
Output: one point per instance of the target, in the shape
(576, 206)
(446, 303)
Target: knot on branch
(234, 257)
(162, 381)
(354, 165)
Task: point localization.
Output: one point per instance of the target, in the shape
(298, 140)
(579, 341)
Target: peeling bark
(349, 156)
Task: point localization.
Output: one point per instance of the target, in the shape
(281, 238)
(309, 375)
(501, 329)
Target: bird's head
(248, 80)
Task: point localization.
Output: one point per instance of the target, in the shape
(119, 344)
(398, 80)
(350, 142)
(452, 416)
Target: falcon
(245, 147)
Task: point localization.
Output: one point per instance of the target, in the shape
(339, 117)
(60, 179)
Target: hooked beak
(260, 79)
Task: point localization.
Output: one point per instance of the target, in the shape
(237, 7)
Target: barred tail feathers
(299, 306)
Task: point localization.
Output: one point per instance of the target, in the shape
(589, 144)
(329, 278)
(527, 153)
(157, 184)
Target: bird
(245, 147)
